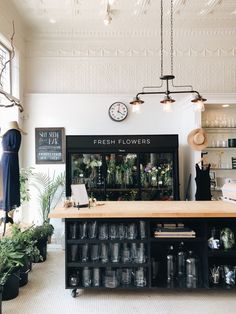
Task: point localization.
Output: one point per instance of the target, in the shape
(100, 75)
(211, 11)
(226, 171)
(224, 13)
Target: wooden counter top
(150, 209)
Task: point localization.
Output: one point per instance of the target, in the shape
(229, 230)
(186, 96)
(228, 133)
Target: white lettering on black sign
(123, 141)
(49, 145)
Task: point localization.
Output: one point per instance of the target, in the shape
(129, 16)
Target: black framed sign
(49, 145)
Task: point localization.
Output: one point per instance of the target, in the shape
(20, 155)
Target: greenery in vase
(121, 171)
(159, 175)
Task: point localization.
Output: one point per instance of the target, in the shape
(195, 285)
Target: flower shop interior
(107, 109)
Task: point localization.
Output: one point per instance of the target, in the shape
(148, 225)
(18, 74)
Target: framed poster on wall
(49, 145)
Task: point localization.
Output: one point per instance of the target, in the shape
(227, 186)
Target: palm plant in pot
(50, 192)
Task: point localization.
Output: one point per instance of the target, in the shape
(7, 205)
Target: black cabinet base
(86, 246)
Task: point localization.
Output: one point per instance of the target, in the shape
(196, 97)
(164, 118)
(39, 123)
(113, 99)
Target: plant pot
(24, 270)
(11, 287)
(42, 246)
(49, 239)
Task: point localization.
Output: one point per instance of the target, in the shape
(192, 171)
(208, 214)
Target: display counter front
(150, 245)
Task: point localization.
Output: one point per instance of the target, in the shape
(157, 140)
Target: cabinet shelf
(220, 253)
(121, 189)
(81, 241)
(177, 239)
(220, 148)
(130, 287)
(105, 265)
(216, 130)
(155, 250)
(223, 169)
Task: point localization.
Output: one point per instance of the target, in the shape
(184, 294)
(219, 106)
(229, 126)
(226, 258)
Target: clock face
(118, 111)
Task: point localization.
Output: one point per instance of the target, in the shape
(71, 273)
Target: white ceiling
(89, 14)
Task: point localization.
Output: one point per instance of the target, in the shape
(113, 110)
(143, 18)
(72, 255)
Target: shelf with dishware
(150, 245)
(219, 123)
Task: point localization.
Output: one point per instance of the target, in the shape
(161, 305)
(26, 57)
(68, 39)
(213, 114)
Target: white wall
(88, 115)
(71, 80)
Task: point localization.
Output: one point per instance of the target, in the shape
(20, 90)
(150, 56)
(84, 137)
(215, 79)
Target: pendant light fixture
(167, 100)
(108, 18)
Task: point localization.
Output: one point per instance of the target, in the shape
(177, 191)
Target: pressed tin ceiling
(50, 16)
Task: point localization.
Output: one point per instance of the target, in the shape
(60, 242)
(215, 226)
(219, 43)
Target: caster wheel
(73, 293)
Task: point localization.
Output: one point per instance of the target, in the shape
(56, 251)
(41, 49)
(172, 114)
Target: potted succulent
(11, 258)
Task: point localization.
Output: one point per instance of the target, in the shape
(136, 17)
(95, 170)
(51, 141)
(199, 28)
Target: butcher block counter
(150, 209)
(125, 245)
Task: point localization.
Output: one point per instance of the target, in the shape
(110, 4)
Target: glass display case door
(124, 167)
(122, 177)
(156, 176)
(88, 169)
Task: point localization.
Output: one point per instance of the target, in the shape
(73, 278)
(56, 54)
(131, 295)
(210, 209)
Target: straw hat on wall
(197, 139)
(9, 126)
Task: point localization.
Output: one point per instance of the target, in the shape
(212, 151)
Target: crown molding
(68, 35)
(126, 53)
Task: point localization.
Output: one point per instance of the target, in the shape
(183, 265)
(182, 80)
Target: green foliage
(50, 191)
(11, 258)
(25, 175)
(26, 242)
(43, 231)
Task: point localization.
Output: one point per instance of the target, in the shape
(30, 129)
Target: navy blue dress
(10, 169)
(203, 182)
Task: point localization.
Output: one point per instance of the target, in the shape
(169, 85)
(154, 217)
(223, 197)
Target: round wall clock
(118, 111)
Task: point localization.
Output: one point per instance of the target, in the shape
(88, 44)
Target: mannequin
(203, 182)
(11, 141)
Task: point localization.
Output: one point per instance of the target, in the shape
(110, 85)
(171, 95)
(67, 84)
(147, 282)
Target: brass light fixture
(167, 101)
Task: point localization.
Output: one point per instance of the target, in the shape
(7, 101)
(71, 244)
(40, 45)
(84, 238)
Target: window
(6, 114)
(5, 55)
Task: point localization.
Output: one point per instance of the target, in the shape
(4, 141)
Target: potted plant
(50, 191)
(27, 245)
(25, 175)
(11, 258)
(40, 235)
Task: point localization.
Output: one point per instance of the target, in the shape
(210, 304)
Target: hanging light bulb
(199, 103)
(136, 108)
(136, 104)
(167, 103)
(107, 19)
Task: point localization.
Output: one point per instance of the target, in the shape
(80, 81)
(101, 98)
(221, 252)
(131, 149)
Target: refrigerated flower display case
(113, 167)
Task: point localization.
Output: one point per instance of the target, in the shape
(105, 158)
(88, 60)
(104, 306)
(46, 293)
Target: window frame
(9, 74)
